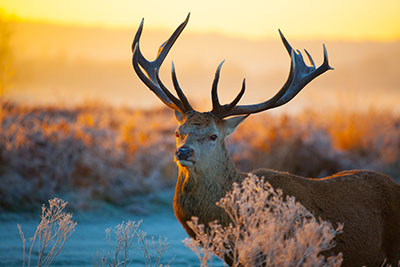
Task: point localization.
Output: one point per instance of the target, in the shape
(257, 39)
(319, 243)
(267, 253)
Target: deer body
(366, 202)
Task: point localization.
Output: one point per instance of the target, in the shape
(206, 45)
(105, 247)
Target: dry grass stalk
(128, 239)
(53, 231)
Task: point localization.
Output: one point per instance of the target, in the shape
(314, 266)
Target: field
(112, 164)
(121, 156)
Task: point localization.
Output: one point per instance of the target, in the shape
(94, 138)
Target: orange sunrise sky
(339, 19)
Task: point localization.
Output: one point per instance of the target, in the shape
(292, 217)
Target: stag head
(206, 131)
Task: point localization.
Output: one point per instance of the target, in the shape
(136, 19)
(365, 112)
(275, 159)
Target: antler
(152, 79)
(299, 76)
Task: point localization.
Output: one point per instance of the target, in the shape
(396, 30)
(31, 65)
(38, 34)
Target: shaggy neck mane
(197, 190)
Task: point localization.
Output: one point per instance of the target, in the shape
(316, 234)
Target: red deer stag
(366, 202)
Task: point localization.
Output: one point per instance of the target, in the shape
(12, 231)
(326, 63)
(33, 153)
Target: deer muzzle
(184, 153)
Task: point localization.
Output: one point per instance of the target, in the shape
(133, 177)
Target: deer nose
(183, 153)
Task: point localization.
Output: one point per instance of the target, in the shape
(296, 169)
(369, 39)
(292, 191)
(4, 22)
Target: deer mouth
(186, 163)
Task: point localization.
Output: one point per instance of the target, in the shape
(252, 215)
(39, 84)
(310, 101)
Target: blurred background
(77, 123)
(75, 116)
(73, 52)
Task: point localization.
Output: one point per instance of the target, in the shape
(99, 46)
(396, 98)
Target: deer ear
(179, 116)
(232, 123)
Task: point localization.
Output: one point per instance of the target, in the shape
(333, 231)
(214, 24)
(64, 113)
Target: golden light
(340, 19)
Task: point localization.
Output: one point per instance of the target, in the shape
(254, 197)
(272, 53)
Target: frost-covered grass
(127, 241)
(97, 152)
(117, 155)
(53, 231)
(266, 230)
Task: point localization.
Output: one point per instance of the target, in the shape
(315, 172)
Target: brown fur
(367, 202)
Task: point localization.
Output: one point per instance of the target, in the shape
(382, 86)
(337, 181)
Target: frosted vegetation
(53, 231)
(96, 153)
(99, 154)
(126, 241)
(267, 230)
(57, 226)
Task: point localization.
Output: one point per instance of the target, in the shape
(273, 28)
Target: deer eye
(213, 137)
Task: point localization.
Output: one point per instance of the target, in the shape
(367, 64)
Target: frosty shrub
(329, 142)
(90, 153)
(125, 156)
(126, 239)
(54, 229)
(267, 230)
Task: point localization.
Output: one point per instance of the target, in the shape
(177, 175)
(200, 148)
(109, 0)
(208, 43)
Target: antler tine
(302, 75)
(152, 67)
(230, 106)
(179, 91)
(286, 43)
(150, 84)
(214, 94)
(310, 58)
(163, 50)
(176, 101)
(166, 46)
(218, 110)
